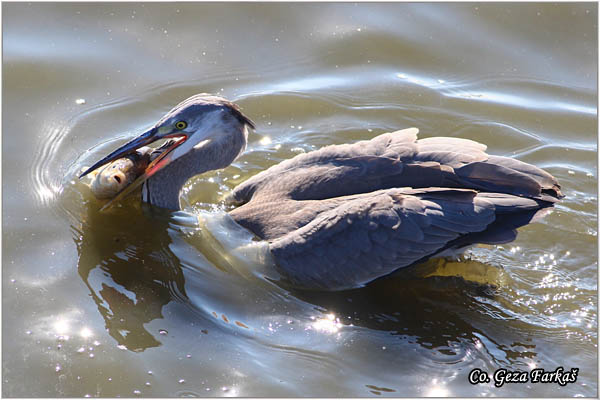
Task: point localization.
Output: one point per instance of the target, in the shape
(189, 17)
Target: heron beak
(165, 156)
(144, 139)
(128, 148)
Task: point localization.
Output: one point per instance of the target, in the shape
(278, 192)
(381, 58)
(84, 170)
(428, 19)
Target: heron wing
(368, 236)
(394, 160)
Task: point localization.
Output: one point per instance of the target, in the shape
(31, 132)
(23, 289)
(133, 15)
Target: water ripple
(44, 177)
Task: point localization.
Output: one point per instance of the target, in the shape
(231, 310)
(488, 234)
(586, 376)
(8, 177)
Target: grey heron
(345, 215)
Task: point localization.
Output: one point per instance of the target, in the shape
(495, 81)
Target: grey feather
(339, 235)
(396, 159)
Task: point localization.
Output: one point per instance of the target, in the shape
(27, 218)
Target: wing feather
(394, 160)
(337, 251)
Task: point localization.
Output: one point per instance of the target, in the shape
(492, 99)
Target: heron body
(345, 215)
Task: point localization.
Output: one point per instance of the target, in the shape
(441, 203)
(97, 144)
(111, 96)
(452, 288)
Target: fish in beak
(162, 160)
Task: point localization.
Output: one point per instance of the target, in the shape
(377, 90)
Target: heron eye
(181, 125)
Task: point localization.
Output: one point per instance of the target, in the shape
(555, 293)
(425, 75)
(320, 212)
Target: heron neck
(163, 188)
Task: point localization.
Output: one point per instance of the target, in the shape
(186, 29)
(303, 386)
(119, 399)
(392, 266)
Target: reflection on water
(130, 275)
(139, 302)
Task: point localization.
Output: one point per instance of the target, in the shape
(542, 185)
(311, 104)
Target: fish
(109, 181)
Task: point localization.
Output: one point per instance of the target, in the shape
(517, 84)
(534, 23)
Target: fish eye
(180, 125)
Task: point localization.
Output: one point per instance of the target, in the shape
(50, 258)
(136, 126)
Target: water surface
(143, 302)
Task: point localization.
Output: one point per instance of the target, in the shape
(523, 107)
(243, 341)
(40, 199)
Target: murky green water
(141, 304)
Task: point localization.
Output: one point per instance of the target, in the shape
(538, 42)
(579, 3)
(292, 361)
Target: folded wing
(394, 160)
(369, 236)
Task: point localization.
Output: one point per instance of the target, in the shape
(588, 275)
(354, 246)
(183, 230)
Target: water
(149, 304)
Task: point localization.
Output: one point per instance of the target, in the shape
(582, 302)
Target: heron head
(193, 123)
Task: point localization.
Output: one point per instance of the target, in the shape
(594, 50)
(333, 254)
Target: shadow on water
(125, 261)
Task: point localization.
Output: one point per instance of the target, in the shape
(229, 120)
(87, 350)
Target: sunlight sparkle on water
(421, 81)
(85, 332)
(230, 391)
(61, 326)
(265, 140)
(46, 193)
(437, 391)
(330, 324)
